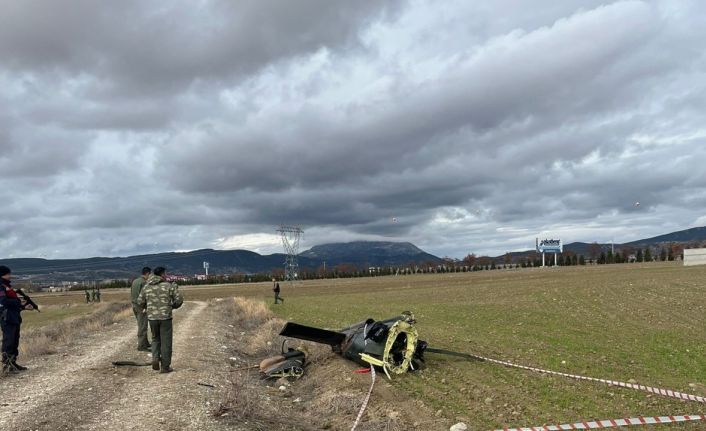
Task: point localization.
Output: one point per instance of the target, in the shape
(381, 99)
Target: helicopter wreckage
(392, 345)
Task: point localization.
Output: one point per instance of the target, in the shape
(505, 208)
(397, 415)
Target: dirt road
(79, 388)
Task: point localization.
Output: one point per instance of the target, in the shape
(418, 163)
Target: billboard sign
(549, 246)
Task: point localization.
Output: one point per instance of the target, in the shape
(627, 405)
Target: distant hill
(695, 234)
(369, 253)
(361, 253)
(691, 237)
(358, 253)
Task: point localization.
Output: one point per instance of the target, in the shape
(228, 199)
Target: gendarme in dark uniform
(10, 321)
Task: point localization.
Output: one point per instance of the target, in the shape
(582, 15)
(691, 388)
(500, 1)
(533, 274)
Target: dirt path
(79, 389)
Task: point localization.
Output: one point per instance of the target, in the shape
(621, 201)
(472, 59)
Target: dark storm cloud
(137, 47)
(527, 81)
(135, 127)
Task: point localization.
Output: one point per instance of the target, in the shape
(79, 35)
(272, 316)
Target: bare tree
(470, 259)
(594, 250)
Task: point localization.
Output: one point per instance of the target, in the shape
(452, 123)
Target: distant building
(694, 256)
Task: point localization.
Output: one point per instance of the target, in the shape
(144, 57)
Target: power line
(290, 240)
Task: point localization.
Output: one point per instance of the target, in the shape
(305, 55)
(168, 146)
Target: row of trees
(624, 254)
(596, 254)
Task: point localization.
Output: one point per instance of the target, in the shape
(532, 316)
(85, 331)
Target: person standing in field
(159, 297)
(10, 321)
(277, 290)
(88, 296)
(143, 343)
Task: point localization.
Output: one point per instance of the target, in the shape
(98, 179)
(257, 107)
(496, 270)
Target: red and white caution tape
(366, 400)
(658, 391)
(608, 423)
(612, 423)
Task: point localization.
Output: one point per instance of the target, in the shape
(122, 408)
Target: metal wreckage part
(392, 344)
(289, 364)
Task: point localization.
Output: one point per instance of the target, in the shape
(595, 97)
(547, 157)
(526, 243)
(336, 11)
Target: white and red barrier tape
(612, 423)
(366, 400)
(658, 391)
(607, 423)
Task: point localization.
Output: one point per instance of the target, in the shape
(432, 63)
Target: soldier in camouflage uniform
(143, 343)
(159, 297)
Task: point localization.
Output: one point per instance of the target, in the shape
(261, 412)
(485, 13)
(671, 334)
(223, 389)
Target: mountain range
(358, 253)
(692, 237)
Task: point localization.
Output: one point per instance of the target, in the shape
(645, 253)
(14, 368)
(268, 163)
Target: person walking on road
(277, 290)
(10, 321)
(143, 343)
(159, 297)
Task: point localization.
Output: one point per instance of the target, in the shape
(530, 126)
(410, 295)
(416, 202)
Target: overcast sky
(135, 127)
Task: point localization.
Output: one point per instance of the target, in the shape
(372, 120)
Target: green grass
(642, 322)
(54, 313)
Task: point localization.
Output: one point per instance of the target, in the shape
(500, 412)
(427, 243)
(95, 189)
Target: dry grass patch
(47, 339)
(328, 396)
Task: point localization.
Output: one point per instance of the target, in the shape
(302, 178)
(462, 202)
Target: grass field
(54, 313)
(641, 322)
(645, 322)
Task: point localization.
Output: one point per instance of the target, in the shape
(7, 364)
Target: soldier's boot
(17, 366)
(166, 367)
(9, 369)
(7, 366)
(155, 364)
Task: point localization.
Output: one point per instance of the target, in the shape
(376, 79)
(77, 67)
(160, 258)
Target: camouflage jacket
(136, 288)
(159, 297)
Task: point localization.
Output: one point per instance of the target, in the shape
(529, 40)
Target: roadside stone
(459, 427)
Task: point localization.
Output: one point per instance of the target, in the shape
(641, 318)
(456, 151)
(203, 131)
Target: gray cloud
(135, 128)
(137, 47)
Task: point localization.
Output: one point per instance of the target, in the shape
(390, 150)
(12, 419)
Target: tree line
(595, 254)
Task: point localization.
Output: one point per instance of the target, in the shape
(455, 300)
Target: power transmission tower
(290, 240)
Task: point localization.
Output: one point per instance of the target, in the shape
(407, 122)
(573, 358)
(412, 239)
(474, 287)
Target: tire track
(173, 401)
(81, 390)
(36, 390)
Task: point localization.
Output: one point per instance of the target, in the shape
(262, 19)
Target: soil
(328, 396)
(79, 388)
